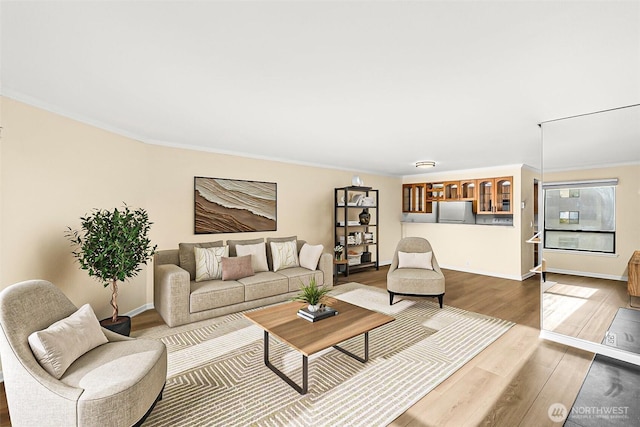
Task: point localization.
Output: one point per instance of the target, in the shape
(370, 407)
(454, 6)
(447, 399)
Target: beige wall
(54, 170)
(529, 227)
(627, 225)
(484, 249)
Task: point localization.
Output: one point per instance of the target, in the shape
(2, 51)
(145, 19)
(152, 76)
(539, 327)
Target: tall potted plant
(112, 246)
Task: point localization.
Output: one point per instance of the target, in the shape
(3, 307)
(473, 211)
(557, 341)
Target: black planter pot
(122, 325)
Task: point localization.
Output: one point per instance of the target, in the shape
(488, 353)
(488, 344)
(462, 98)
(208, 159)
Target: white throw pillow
(284, 255)
(58, 346)
(310, 255)
(209, 262)
(415, 260)
(258, 254)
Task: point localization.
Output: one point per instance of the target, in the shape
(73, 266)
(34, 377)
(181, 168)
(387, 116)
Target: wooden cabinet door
(503, 188)
(468, 189)
(414, 198)
(452, 190)
(485, 196)
(495, 195)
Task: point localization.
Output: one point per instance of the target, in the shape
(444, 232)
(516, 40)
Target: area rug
(217, 377)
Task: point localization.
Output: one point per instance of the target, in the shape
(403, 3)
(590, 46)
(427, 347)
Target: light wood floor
(511, 383)
(570, 303)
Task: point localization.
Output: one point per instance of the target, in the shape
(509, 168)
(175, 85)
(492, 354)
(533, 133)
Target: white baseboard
(587, 274)
(141, 309)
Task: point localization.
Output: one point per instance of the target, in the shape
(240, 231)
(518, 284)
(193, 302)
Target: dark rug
(610, 394)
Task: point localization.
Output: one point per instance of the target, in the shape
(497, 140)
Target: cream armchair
(414, 271)
(116, 383)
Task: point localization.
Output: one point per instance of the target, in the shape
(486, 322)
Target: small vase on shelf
(365, 217)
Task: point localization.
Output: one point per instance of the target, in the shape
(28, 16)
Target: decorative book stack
(314, 316)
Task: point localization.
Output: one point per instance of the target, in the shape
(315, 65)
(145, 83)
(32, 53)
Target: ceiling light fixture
(426, 164)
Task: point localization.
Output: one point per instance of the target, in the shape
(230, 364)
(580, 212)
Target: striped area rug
(217, 377)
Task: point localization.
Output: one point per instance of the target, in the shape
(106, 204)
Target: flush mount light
(426, 164)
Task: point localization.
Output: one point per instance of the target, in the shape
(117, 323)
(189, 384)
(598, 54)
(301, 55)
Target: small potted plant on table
(112, 246)
(312, 294)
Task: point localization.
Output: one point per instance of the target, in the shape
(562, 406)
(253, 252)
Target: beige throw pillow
(188, 258)
(284, 255)
(258, 254)
(415, 260)
(58, 346)
(310, 255)
(234, 268)
(208, 262)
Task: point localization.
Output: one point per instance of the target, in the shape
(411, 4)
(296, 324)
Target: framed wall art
(234, 206)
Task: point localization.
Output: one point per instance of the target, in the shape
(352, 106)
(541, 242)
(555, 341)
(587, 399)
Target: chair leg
(390, 298)
(440, 299)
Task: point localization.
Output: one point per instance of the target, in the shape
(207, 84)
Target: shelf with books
(356, 219)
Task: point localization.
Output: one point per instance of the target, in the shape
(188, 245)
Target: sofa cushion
(188, 258)
(415, 260)
(214, 293)
(234, 243)
(299, 276)
(276, 239)
(58, 346)
(209, 262)
(310, 255)
(107, 379)
(236, 267)
(258, 254)
(284, 255)
(264, 284)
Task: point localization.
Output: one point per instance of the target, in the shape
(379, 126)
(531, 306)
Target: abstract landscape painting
(232, 206)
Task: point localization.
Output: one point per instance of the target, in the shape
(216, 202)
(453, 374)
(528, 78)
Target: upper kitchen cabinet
(495, 195)
(435, 191)
(452, 190)
(468, 189)
(414, 199)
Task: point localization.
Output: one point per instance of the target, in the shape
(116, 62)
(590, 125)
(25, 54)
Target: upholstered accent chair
(414, 271)
(116, 383)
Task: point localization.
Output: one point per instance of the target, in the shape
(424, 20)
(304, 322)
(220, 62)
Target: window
(580, 216)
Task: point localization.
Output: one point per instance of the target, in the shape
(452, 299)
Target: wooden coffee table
(308, 338)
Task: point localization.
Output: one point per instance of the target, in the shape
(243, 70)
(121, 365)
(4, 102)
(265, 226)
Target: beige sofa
(180, 299)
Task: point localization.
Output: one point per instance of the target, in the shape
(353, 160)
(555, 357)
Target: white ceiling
(367, 86)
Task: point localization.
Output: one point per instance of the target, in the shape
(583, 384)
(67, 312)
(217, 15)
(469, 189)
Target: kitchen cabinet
(495, 195)
(468, 189)
(414, 198)
(435, 191)
(452, 190)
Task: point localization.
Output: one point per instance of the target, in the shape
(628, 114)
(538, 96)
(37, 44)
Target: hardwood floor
(511, 383)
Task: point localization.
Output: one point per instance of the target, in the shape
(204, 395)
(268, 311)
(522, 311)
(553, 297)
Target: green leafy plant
(112, 246)
(312, 293)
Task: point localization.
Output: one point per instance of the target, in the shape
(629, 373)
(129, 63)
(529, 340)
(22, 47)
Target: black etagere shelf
(354, 230)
